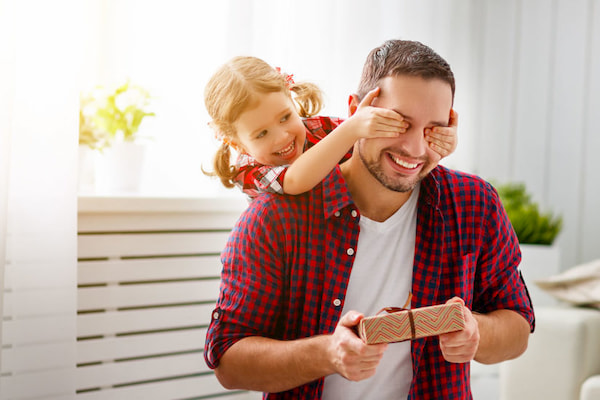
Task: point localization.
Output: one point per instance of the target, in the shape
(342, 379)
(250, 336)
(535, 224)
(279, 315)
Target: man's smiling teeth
(403, 163)
(287, 149)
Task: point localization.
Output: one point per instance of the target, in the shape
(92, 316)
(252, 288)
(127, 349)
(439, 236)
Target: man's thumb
(351, 318)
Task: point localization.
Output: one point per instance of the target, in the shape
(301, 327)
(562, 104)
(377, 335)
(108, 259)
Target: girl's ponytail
(308, 98)
(222, 166)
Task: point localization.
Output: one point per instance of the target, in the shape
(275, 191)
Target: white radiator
(148, 278)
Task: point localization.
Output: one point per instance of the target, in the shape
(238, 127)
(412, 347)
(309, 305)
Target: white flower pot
(539, 262)
(119, 168)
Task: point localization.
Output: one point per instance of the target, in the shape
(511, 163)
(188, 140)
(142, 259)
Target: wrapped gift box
(412, 324)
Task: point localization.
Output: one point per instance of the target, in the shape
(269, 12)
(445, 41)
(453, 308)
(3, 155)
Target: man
(298, 277)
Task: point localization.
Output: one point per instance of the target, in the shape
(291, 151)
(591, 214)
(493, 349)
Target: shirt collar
(336, 195)
(430, 188)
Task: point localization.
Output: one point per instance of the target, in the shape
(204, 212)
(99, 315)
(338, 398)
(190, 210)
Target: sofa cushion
(590, 390)
(579, 285)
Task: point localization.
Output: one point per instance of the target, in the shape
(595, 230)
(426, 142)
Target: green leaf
(109, 123)
(530, 224)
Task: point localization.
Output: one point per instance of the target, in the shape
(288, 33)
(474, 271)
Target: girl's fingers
(453, 118)
(438, 149)
(444, 137)
(439, 144)
(369, 97)
(440, 132)
(390, 115)
(395, 123)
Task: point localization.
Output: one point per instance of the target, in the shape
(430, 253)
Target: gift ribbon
(403, 308)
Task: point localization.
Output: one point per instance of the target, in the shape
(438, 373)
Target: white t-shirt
(381, 277)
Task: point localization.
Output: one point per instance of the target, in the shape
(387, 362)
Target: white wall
(539, 94)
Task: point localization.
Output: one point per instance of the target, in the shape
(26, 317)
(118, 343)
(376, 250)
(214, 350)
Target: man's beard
(397, 184)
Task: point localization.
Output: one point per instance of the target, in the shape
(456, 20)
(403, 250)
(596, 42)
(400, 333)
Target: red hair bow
(289, 78)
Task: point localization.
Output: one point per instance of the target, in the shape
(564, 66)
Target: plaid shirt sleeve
(318, 127)
(251, 282)
(499, 284)
(254, 178)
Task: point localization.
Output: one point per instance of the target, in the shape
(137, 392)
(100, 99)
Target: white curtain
(39, 96)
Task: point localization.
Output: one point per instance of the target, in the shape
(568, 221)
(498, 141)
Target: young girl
(283, 147)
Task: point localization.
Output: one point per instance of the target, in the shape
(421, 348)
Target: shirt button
(337, 302)
(350, 251)
(216, 315)
(337, 213)
(354, 213)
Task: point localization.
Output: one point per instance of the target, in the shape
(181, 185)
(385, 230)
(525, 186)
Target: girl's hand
(443, 140)
(370, 122)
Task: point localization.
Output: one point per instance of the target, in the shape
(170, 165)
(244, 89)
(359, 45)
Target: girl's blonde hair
(235, 88)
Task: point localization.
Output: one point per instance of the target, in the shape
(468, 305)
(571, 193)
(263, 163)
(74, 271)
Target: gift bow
(403, 308)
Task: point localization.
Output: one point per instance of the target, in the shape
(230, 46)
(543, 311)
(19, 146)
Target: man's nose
(414, 141)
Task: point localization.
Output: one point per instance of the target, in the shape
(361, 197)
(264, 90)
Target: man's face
(400, 163)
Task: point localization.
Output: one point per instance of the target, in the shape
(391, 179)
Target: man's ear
(353, 103)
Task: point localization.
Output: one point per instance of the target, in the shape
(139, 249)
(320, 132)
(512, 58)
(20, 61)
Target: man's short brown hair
(403, 57)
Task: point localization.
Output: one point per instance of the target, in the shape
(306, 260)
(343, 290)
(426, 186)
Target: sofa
(562, 361)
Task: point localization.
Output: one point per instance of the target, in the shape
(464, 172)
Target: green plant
(109, 116)
(530, 224)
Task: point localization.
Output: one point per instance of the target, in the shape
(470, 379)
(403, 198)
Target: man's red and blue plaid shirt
(288, 260)
(254, 178)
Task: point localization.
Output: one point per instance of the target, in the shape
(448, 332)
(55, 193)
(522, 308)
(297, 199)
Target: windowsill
(140, 203)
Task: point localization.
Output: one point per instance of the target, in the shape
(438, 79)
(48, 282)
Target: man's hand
(350, 356)
(461, 346)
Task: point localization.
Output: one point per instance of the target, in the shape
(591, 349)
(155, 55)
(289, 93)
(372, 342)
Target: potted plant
(109, 122)
(531, 225)
(536, 231)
